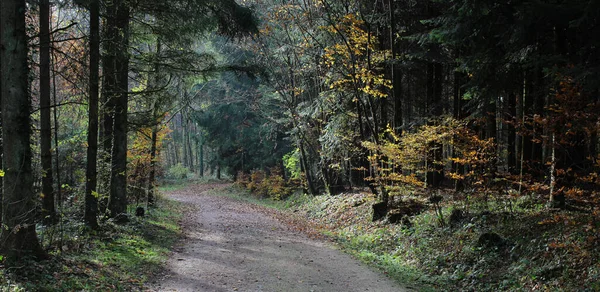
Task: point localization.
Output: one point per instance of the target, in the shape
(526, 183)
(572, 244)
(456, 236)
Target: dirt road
(236, 246)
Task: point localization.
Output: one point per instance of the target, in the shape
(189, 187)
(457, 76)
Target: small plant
(291, 161)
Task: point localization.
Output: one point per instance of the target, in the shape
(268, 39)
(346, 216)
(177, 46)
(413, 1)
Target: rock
(490, 240)
(435, 199)
(122, 218)
(456, 216)
(140, 212)
(395, 216)
(379, 210)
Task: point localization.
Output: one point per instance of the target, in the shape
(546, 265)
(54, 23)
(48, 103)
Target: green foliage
(177, 172)
(291, 161)
(234, 124)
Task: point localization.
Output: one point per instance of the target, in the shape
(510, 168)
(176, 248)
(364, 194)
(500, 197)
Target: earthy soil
(231, 245)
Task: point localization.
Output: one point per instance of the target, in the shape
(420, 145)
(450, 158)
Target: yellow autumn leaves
(355, 61)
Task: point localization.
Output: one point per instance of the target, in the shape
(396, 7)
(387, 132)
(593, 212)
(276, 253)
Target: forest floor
(235, 245)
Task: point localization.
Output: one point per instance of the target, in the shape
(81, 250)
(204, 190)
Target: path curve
(231, 245)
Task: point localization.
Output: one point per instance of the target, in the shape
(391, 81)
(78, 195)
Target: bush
(177, 172)
(258, 182)
(291, 162)
(242, 179)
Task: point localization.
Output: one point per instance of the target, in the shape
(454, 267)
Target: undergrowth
(113, 258)
(535, 248)
(531, 247)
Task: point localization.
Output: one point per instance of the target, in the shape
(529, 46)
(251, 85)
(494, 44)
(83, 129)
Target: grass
(114, 258)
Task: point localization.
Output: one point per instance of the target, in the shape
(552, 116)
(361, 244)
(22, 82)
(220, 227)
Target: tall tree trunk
(458, 115)
(490, 122)
(176, 156)
(396, 74)
(306, 169)
(117, 203)
(153, 138)
(201, 159)
(48, 207)
(183, 141)
(109, 95)
(189, 147)
(18, 237)
(59, 198)
(152, 176)
(91, 199)
(511, 117)
(434, 99)
(1, 140)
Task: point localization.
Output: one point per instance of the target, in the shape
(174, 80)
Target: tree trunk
(458, 115)
(155, 121)
(511, 117)
(201, 154)
(434, 98)
(48, 207)
(117, 203)
(18, 237)
(306, 169)
(1, 140)
(396, 74)
(109, 96)
(151, 177)
(91, 199)
(189, 147)
(490, 122)
(183, 141)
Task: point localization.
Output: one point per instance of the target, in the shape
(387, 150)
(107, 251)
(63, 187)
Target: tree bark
(48, 206)
(1, 139)
(91, 199)
(117, 203)
(201, 159)
(511, 117)
(152, 176)
(109, 95)
(18, 237)
(155, 119)
(434, 98)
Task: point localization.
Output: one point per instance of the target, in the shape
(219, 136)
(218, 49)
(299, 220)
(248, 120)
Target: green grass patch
(114, 258)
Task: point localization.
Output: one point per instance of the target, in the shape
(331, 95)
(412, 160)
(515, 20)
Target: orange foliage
(138, 157)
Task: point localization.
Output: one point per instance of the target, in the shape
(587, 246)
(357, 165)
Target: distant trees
(105, 76)
(357, 80)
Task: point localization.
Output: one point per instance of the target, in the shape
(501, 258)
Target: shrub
(177, 172)
(291, 162)
(242, 179)
(258, 182)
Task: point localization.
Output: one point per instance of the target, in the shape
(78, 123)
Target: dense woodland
(464, 100)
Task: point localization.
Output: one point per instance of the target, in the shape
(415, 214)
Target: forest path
(231, 245)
